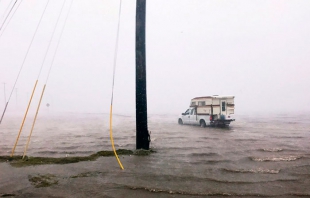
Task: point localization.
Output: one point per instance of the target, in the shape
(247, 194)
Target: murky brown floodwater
(255, 156)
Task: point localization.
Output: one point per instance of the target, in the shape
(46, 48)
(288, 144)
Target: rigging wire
(114, 67)
(51, 39)
(7, 8)
(25, 57)
(61, 32)
(22, 125)
(6, 104)
(8, 15)
(39, 104)
(10, 18)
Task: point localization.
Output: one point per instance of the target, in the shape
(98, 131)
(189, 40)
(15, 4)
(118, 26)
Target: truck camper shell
(221, 105)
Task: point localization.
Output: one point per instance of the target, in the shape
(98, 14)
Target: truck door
(193, 117)
(186, 116)
(223, 107)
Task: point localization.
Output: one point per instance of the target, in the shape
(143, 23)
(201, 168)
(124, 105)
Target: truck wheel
(202, 124)
(180, 121)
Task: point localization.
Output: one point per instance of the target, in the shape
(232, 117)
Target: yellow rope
(112, 141)
(22, 125)
(34, 121)
(115, 57)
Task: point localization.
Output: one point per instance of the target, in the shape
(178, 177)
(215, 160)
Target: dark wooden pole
(142, 134)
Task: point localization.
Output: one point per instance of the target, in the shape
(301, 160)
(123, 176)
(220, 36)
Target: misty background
(256, 50)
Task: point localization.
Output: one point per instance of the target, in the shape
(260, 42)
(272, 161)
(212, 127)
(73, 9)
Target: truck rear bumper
(221, 122)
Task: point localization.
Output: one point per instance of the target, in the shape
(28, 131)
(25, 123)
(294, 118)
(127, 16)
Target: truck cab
(189, 116)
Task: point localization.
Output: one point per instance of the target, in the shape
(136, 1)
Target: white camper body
(216, 110)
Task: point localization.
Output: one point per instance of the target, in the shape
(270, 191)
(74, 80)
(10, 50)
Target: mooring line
(114, 66)
(39, 104)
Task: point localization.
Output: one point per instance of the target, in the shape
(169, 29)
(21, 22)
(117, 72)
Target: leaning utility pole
(142, 133)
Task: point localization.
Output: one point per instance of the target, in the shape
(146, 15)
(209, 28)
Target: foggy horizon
(257, 51)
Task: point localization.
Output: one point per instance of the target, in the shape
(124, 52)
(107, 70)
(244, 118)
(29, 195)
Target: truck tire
(202, 124)
(180, 121)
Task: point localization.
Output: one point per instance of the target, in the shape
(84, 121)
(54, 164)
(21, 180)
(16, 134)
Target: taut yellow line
(34, 121)
(22, 125)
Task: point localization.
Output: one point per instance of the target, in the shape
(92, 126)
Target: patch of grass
(111, 153)
(17, 161)
(8, 195)
(7, 158)
(143, 152)
(43, 180)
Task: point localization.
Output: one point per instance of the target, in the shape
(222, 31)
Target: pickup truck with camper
(213, 110)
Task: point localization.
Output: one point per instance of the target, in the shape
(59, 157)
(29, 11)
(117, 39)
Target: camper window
(223, 106)
(193, 103)
(201, 103)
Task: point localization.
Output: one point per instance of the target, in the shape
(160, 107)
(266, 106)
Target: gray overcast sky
(257, 50)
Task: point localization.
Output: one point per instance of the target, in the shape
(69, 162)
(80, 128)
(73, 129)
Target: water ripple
(271, 149)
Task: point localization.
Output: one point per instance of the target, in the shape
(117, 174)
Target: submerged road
(253, 157)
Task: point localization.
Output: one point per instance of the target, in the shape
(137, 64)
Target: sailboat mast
(142, 134)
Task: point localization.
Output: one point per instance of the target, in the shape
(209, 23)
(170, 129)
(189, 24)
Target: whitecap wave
(272, 149)
(259, 170)
(275, 159)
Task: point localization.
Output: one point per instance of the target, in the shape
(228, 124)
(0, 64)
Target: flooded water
(256, 156)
